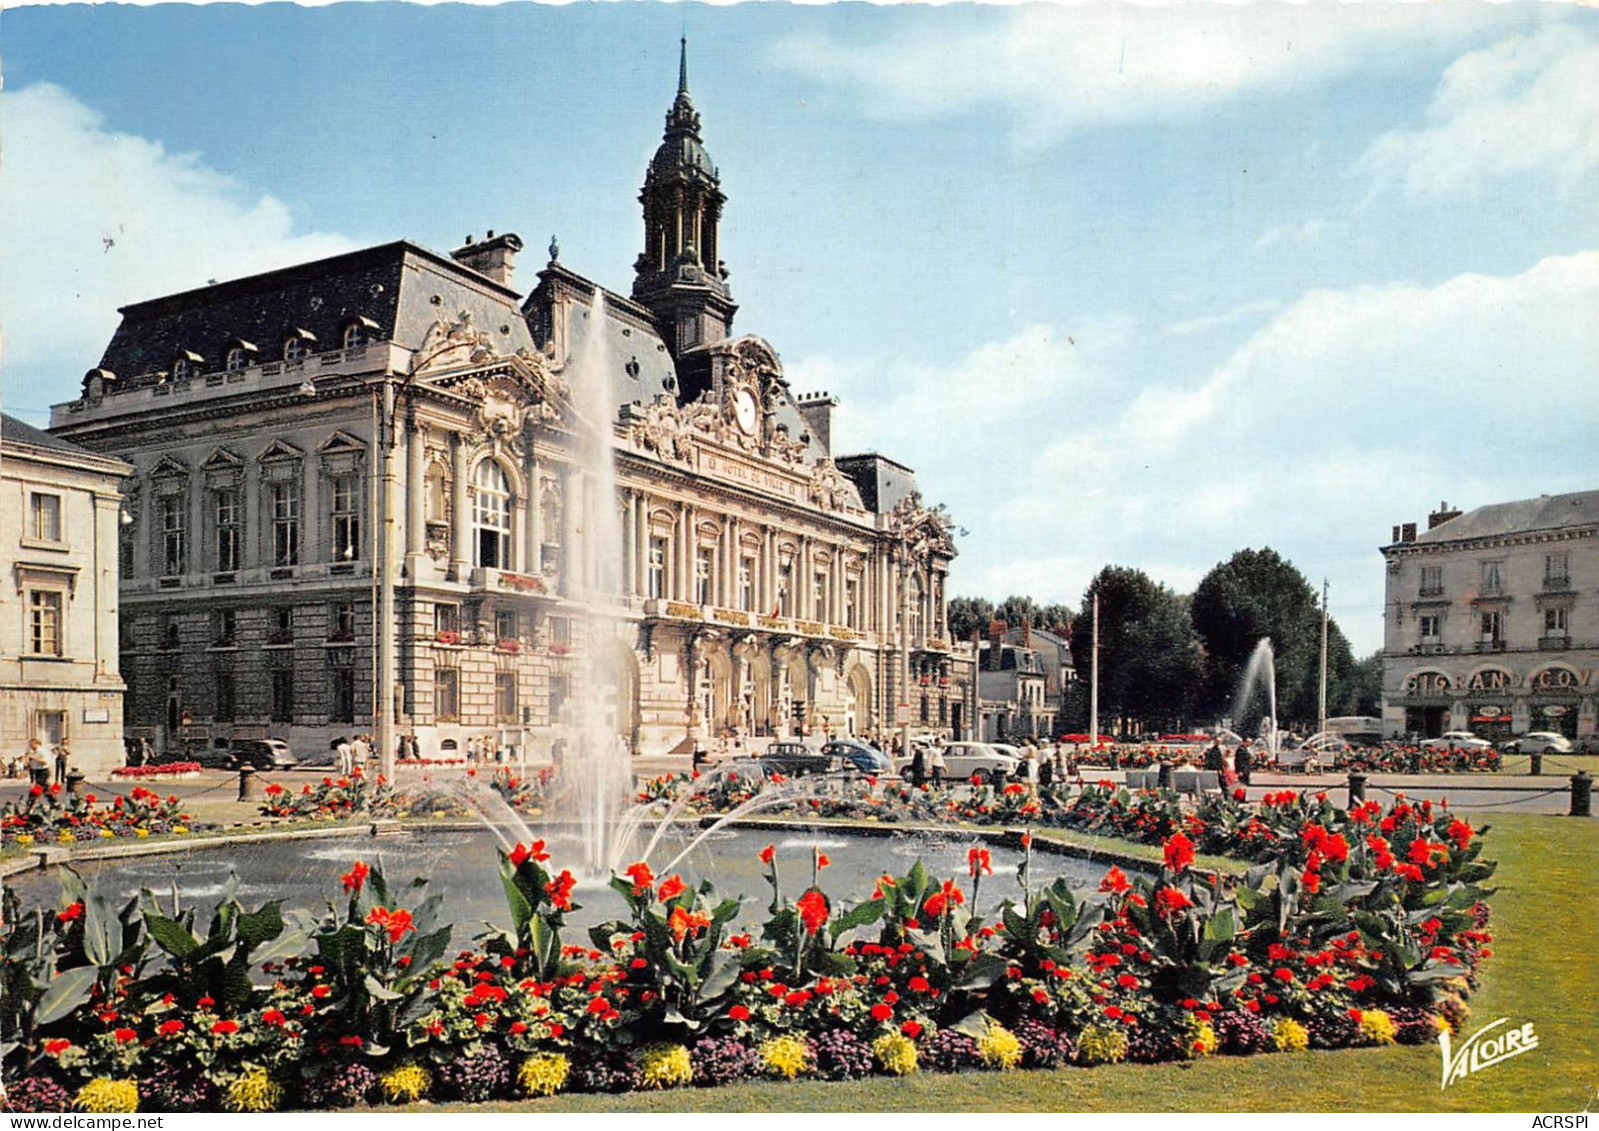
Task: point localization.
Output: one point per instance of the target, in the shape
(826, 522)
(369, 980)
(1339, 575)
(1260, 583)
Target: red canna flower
(396, 922)
(223, 1028)
(812, 908)
(355, 878)
(672, 887)
(1115, 881)
(643, 879)
(168, 1028)
(525, 852)
(1179, 852)
(560, 890)
(123, 1036)
(979, 861)
(75, 911)
(768, 853)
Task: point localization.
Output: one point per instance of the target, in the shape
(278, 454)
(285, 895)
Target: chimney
(1440, 516)
(817, 409)
(493, 256)
(1407, 532)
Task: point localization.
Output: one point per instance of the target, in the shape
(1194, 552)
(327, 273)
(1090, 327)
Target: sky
(1135, 285)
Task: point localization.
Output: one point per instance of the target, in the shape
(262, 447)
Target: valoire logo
(1483, 1051)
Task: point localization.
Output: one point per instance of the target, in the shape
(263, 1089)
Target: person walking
(918, 767)
(1215, 757)
(38, 766)
(936, 762)
(63, 754)
(1243, 762)
(346, 756)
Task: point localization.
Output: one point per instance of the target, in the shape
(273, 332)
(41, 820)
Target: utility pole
(1323, 700)
(383, 568)
(1093, 687)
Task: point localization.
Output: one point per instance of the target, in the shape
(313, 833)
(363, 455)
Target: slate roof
(882, 482)
(1546, 512)
(14, 432)
(392, 285)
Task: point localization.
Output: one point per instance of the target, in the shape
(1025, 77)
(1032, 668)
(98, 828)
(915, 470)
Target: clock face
(744, 411)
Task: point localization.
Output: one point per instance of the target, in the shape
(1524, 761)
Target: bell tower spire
(680, 276)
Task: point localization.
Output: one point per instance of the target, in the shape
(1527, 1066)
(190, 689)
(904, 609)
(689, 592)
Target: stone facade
(388, 454)
(59, 507)
(1492, 622)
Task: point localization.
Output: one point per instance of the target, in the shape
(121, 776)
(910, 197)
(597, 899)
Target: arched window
(296, 349)
(491, 514)
(182, 368)
(914, 601)
(237, 359)
(355, 335)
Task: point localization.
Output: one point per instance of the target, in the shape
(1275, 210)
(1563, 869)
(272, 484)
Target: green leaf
(722, 977)
(263, 924)
(378, 990)
(67, 990)
(973, 1025)
(170, 935)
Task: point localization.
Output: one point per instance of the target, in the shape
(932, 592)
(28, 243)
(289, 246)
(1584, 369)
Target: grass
(1545, 915)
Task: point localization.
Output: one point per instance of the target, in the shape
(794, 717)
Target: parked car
(1538, 742)
(209, 757)
(795, 759)
(264, 754)
(963, 759)
(1457, 740)
(853, 753)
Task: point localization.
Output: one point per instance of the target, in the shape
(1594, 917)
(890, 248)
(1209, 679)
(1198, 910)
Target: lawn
(1546, 920)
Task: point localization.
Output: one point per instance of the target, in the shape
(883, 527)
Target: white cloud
(1061, 67)
(1527, 105)
(1239, 313)
(94, 220)
(1350, 411)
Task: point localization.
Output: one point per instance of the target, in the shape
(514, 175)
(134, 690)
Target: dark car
(795, 759)
(855, 754)
(209, 757)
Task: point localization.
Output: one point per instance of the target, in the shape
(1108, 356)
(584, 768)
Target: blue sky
(1140, 285)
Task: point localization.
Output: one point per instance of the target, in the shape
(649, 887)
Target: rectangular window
(702, 575)
(505, 697)
(447, 695)
(282, 622)
(44, 622)
(1432, 580)
(45, 517)
(227, 519)
(852, 601)
(507, 625)
(346, 519)
(223, 709)
(285, 524)
(283, 695)
(224, 627)
(1429, 626)
(746, 584)
(561, 631)
(1555, 622)
(1557, 569)
(1491, 577)
(341, 685)
(1492, 628)
(657, 571)
(343, 622)
(174, 535)
(447, 620)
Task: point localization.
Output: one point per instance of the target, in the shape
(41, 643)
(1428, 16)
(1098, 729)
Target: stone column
(629, 543)
(310, 511)
(415, 495)
(460, 514)
(535, 515)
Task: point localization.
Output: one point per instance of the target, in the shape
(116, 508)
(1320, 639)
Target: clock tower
(680, 276)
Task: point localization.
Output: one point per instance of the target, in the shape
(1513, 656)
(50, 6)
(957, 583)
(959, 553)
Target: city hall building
(364, 479)
(1492, 620)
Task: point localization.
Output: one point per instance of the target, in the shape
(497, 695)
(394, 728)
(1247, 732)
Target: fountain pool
(462, 865)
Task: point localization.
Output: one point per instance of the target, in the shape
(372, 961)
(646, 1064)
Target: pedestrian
(918, 767)
(63, 754)
(1243, 761)
(38, 766)
(936, 762)
(1215, 758)
(345, 755)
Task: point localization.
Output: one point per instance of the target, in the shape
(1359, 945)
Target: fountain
(1261, 669)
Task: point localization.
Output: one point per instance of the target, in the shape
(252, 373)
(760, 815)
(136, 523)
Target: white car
(1456, 739)
(963, 759)
(1538, 742)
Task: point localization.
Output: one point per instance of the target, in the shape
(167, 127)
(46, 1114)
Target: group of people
(352, 752)
(35, 763)
(1235, 764)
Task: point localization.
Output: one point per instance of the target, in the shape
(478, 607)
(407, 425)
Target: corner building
(1492, 620)
(364, 478)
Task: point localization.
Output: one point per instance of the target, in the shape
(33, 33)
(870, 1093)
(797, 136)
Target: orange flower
(672, 887)
(683, 923)
(560, 890)
(768, 853)
(812, 910)
(643, 879)
(355, 878)
(525, 852)
(396, 922)
(978, 860)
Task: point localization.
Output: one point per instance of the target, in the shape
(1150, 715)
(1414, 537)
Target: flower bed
(1340, 937)
(331, 797)
(161, 770)
(1395, 759)
(51, 816)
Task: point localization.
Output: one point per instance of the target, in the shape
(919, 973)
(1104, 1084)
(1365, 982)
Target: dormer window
(185, 365)
(297, 347)
(237, 359)
(358, 333)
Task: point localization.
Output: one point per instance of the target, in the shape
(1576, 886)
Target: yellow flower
(785, 1056)
(544, 1074)
(1290, 1036)
(1201, 1036)
(1101, 1044)
(999, 1047)
(1377, 1026)
(141, 832)
(665, 1066)
(406, 1084)
(180, 828)
(24, 839)
(254, 1091)
(103, 1095)
(66, 837)
(896, 1053)
(107, 834)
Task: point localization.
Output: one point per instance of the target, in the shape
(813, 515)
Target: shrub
(255, 1090)
(37, 1095)
(785, 1057)
(103, 1095)
(999, 1047)
(544, 1074)
(477, 1077)
(722, 1060)
(177, 1088)
(343, 1085)
(1202, 1039)
(896, 1053)
(949, 1051)
(841, 1055)
(1243, 1034)
(1290, 1036)
(1042, 1046)
(1101, 1044)
(1414, 1025)
(405, 1084)
(665, 1066)
(615, 1073)
(1333, 1031)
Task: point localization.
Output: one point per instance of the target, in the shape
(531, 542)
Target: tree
(1149, 665)
(1362, 694)
(1017, 611)
(1255, 595)
(968, 615)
